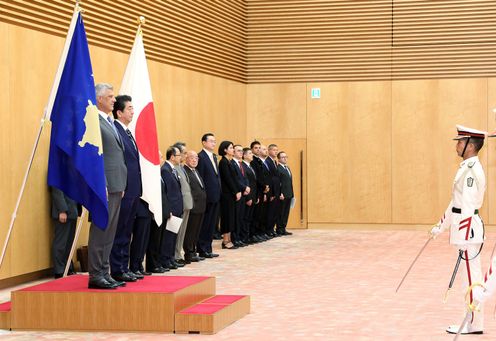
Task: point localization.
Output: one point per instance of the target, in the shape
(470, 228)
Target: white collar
(210, 154)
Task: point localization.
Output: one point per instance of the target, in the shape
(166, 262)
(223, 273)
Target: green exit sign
(315, 92)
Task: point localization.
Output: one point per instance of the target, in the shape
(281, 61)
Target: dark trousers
(247, 228)
(119, 256)
(260, 217)
(63, 236)
(139, 244)
(273, 209)
(209, 224)
(239, 222)
(167, 246)
(153, 249)
(192, 233)
(100, 241)
(282, 221)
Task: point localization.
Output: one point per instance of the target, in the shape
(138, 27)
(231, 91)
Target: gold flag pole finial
(78, 6)
(141, 21)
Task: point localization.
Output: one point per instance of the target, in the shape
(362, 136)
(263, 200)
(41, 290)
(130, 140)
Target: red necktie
(241, 166)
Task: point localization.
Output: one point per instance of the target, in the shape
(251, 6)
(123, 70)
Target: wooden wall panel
(423, 155)
(276, 110)
(187, 104)
(490, 149)
(205, 36)
(349, 153)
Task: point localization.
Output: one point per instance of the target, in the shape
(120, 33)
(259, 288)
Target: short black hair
(171, 151)
(279, 154)
(206, 136)
(477, 142)
(120, 104)
(246, 150)
(254, 143)
(224, 145)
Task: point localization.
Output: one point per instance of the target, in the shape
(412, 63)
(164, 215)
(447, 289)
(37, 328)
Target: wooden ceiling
(269, 41)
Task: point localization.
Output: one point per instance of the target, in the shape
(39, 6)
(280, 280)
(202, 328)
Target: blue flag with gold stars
(75, 162)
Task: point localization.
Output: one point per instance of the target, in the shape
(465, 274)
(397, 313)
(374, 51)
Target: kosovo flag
(75, 163)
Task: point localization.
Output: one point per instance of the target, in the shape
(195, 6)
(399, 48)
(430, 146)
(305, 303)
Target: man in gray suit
(187, 204)
(101, 238)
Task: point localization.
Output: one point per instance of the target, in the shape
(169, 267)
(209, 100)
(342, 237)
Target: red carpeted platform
(147, 305)
(150, 284)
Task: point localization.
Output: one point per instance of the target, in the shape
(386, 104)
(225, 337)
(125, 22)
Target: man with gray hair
(187, 203)
(101, 238)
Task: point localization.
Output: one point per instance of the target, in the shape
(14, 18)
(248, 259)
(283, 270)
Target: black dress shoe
(57, 276)
(124, 277)
(214, 255)
(138, 275)
(100, 283)
(177, 264)
(182, 261)
(192, 259)
(145, 273)
(159, 270)
(286, 233)
(114, 282)
(170, 265)
(205, 255)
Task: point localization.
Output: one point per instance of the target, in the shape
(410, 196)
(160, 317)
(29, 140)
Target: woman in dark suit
(230, 193)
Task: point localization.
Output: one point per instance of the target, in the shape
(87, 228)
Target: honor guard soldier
(462, 217)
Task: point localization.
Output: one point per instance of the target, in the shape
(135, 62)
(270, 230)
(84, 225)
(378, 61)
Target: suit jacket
(252, 182)
(286, 182)
(131, 156)
(240, 178)
(262, 173)
(166, 209)
(228, 177)
(197, 191)
(185, 188)
(113, 158)
(142, 211)
(172, 190)
(209, 177)
(61, 203)
(275, 182)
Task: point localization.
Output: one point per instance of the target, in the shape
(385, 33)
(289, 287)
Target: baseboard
(381, 227)
(21, 279)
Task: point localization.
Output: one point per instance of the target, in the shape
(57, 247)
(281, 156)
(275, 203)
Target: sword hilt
(445, 299)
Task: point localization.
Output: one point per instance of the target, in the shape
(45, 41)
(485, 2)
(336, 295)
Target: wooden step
(212, 314)
(5, 315)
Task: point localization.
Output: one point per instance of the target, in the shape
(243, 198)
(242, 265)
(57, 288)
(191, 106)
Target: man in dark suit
(263, 189)
(175, 198)
(273, 207)
(119, 257)
(209, 172)
(156, 234)
(286, 195)
(101, 238)
(64, 214)
(244, 188)
(199, 196)
(248, 232)
(141, 236)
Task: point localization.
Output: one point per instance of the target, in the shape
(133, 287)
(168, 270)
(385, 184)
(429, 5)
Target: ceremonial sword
(455, 270)
(415, 260)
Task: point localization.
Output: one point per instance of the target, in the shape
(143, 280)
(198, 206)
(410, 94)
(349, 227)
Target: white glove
(436, 230)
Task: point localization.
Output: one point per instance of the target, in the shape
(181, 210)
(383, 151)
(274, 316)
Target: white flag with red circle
(136, 83)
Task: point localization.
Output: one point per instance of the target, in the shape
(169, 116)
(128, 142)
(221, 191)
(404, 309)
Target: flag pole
(28, 169)
(74, 242)
(21, 192)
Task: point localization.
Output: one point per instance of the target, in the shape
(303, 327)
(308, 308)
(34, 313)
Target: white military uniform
(464, 223)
